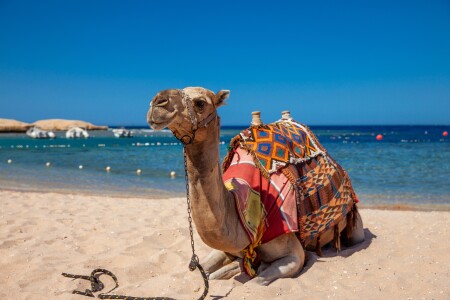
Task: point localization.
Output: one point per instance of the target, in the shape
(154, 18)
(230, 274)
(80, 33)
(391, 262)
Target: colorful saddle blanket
(284, 181)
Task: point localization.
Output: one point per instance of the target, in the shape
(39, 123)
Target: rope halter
(195, 125)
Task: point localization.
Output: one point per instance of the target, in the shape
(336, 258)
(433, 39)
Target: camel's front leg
(227, 271)
(285, 256)
(215, 260)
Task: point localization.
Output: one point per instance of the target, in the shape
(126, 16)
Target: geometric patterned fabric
(324, 196)
(322, 189)
(278, 144)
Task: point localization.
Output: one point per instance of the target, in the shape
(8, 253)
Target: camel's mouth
(158, 126)
(158, 120)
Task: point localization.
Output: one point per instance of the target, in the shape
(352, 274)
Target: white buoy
(9, 161)
(48, 164)
(138, 171)
(108, 168)
(80, 167)
(173, 174)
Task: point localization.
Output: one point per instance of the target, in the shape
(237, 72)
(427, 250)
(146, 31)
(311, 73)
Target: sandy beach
(145, 242)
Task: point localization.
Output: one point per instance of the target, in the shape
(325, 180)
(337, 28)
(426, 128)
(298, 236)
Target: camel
(191, 114)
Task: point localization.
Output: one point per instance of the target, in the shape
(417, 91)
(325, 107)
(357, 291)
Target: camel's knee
(227, 271)
(215, 260)
(284, 267)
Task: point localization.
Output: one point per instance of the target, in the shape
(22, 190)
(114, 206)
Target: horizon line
(310, 125)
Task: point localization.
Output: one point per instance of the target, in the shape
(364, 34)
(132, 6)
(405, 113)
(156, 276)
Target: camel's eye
(200, 103)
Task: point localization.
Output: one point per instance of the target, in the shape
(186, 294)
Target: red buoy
(445, 133)
(379, 137)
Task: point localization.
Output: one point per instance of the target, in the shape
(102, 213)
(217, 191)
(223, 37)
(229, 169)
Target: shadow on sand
(311, 258)
(329, 251)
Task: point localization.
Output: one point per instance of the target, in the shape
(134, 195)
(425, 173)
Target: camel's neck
(213, 206)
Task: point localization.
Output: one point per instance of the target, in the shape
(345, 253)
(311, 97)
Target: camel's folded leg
(228, 271)
(287, 258)
(215, 260)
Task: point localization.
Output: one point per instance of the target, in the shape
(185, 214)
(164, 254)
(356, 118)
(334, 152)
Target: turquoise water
(411, 165)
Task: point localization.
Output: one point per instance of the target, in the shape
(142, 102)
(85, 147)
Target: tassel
(289, 175)
(355, 215)
(318, 248)
(350, 224)
(352, 216)
(337, 238)
(231, 150)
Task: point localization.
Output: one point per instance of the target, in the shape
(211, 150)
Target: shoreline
(160, 194)
(145, 243)
(154, 193)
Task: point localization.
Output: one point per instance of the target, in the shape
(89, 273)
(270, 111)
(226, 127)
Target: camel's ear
(221, 96)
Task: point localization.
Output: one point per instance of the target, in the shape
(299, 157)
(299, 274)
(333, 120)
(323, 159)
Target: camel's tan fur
(213, 208)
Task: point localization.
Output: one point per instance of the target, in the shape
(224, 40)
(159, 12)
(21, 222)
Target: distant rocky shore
(9, 125)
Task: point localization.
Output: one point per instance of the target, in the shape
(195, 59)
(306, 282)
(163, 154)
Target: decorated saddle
(284, 181)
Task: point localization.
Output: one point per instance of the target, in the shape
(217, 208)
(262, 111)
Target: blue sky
(329, 62)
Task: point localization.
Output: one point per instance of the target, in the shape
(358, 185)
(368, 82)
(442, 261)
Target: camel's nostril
(161, 102)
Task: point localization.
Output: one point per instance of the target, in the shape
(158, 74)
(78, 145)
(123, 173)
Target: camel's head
(184, 111)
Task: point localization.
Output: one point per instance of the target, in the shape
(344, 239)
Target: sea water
(410, 165)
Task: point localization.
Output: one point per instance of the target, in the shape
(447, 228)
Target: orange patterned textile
(284, 181)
